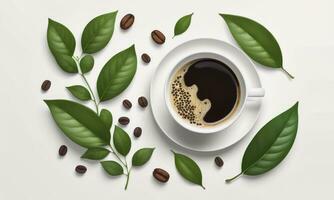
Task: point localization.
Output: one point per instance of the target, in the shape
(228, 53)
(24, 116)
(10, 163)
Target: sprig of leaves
(79, 123)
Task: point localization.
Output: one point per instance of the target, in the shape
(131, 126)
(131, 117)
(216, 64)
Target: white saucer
(180, 135)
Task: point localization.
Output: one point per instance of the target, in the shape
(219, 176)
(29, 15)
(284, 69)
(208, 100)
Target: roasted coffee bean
(219, 161)
(62, 150)
(146, 58)
(46, 85)
(80, 169)
(158, 37)
(127, 104)
(161, 175)
(137, 132)
(127, 21)
(142, 101)
(124, 120)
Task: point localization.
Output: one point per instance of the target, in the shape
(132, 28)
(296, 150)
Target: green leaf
(62, 45)
(142, 156)
(80, 92)
(86, 63)
(117, 74)
(182, 24)
(122, 141)
(188, 169)
(79, 123)
(60, 39)
(66, 63)
(112, 168)
(97, 153)
(98, 33)
(255, 40)
(271, 144)
(106, 117)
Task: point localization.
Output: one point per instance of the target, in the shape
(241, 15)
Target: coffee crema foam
(185, 101)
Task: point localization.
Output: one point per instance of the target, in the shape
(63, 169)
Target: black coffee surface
(215, 81)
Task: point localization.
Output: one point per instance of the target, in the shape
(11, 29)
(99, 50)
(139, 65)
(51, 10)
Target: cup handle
(256, 92)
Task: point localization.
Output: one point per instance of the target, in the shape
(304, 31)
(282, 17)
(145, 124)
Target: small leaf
(182, 24)
(112, 168)
(86, 63)
(122, 141)
(79, 123)
(255, 40)
(67, 63)
(142, 156)
(117, 74)
(80, 92)
(97, 153)
(188, 169)
(106, 117)
(98, 33)
(271, 144)
(60, 39)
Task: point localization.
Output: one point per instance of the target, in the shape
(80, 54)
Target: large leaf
(142, 156)
(106, 117)
(117, 74)
(271, 144)
(188, 169)
(62, 45)
(79, 123)
(122, 141)
(96, 153)
(98, 33)
(80, 92)
(112, 168)
(255, 40)
(182, 24)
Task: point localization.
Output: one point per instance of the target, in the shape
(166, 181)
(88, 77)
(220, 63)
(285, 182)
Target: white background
(30, 167)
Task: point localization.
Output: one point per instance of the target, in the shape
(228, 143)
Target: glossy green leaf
(255, 40)
(97, 153)
(60, 39)
(66, 63)
(271, 144)
(142, 156)
(79, 123)
(98, 33)
(122, 141)
(117, 74)
(112, 168)
(188, 169)
(80, 92)
(62, 45)
(86, 63)
(106, 117)
(182, 24)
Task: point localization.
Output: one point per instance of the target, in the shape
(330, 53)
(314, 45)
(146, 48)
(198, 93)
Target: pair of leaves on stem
(95, 37)
(271, 144)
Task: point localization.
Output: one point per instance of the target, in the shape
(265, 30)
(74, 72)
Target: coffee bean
(161, 175)
(80, 169)
(137, 132)
(127, 104)
(46, 85)
(146, 58)
(124, 120)
(219, 161)
(158, 37)
(127, 21)
(62, 150)
(142, 101)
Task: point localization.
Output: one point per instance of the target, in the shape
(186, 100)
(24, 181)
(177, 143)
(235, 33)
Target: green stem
(292, 77)
(127, 177)
(231, 179)
(116, 155)
(91, 91)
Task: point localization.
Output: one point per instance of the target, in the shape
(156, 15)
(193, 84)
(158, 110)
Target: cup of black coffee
(206, 92)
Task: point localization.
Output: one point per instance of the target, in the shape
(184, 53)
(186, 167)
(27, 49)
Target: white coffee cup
(245, 94)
